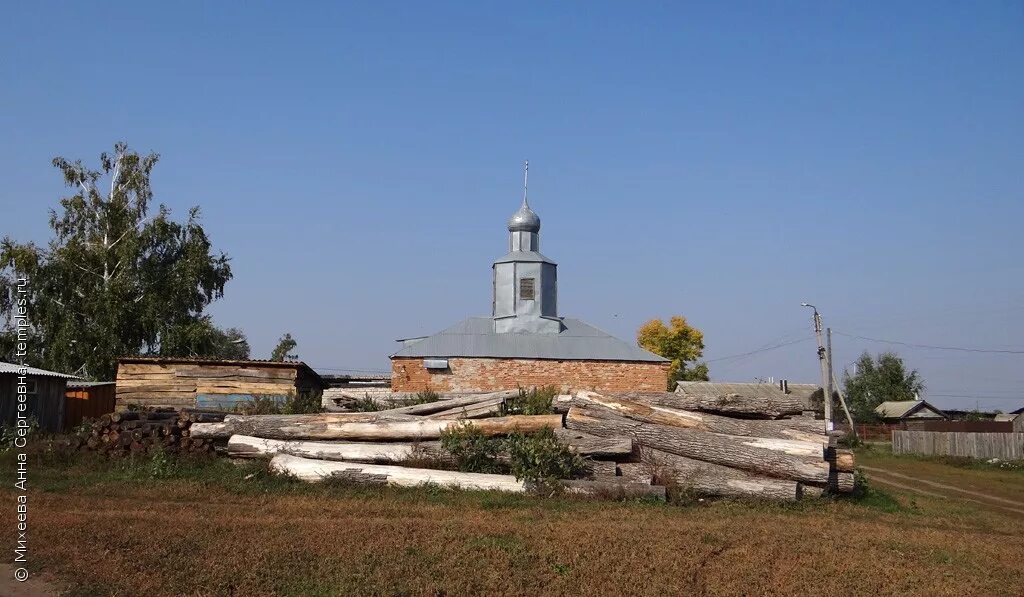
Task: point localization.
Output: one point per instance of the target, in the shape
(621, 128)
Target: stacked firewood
(634, 444)
(121, 433)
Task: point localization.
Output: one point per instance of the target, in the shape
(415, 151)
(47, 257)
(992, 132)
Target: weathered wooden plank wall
(187, 385)
(1004, 446)
(47, 406)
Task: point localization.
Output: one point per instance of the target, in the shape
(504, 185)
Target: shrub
(424, 397)
(472, 451)
(9, 433)
(536, 401)
(303, 403)
(364, 405)
(541, 460)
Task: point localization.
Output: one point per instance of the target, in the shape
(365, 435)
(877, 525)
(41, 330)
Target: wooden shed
(87, 400)
(208, 383)
(44, 392)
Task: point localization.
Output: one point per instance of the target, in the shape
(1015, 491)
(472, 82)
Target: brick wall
(478, 374)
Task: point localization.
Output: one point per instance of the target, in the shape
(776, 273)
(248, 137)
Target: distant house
(210, 383)
(44, 391)
(898, 411)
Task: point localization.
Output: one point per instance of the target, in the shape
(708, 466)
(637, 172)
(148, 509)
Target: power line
(931, 347)
(746, 354)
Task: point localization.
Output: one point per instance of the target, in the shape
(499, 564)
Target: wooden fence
(1004, 446)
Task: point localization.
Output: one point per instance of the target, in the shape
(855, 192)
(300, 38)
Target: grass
(209, 527)
(967, 474)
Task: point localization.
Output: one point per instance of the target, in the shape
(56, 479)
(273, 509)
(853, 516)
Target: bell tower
(525, 283)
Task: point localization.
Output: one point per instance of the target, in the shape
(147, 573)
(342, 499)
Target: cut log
(388, 430)
(595, 446)
(600, 468)
(699, 420)
(784, 459)
(705, 478)
(614, 489)
(441, 405)
(244, 446)
(479, 410)
(764, 401)
(636, 472)
(841, 459)
(306, 469)
(261, 425)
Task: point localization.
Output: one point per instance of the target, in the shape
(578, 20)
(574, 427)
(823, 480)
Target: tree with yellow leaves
(679, 342)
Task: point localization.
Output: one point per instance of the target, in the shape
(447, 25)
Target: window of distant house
(527, 289)
(30, 387)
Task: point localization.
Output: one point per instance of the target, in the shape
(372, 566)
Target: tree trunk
(313, 471)
(704, 478)
(478, 410)
(244, 446)
(441, 405)
(700, 421)
(595, 446)
(369, 430)
(600, 469)
(764, 403)
(256, 424)
(784, 459)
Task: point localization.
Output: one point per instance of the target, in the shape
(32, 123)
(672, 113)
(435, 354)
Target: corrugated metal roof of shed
(14, 369)
(475, 337)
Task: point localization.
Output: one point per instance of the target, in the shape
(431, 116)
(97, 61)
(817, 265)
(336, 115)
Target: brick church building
(524, 342)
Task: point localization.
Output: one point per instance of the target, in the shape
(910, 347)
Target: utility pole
(826, 378)
(835, 383)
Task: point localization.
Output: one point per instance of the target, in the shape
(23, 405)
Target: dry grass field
(162, 528)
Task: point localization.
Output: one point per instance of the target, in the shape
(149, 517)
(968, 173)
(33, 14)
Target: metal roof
(89, 384)
(15, 369)
(897, 409)
(525, 219)
(475, 337)
(718, 388)
(524, 256)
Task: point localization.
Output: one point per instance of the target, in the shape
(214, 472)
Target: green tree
(203, 339)
(284, 346)
(679, 342)
(116, 279)
(877, 380)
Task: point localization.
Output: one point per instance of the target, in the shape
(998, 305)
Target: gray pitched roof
(14, 368)
(897, 409)
(475, 337)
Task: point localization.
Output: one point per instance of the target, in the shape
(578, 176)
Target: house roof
(14, 369)
(89, 384)
(229, 362)
(752, 389)
(475, 337)
(898, 409)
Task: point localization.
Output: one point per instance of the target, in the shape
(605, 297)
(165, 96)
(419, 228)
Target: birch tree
(118, 277)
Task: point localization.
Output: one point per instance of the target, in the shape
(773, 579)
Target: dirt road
(993, 490)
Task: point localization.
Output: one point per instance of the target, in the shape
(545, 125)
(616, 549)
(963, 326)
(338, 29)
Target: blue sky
(724, 161)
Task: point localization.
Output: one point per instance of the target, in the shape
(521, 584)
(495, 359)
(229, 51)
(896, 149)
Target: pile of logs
(120, 433)
(701, 443)
(634, 444)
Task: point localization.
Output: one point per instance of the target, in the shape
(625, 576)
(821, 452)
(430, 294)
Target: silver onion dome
(524, 220)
